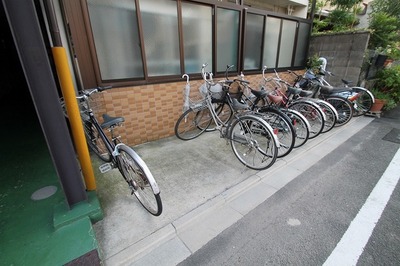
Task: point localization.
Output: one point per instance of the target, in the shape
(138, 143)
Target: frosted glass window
(197, 36)
(287, 43)
(253, 41)
(227, 38)
(115, 33)
(161, 36)
(271, 41)
(302, 41)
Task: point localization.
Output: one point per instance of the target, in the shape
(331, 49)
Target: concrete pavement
(204, 190)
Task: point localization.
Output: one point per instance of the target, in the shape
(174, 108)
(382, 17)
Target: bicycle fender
(366, 90)
(141, 164)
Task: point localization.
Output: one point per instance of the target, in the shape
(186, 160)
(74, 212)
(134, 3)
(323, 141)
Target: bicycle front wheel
(330, 112)
(253, 142)
(362, 100)
(95, 142)
(192, 123)
(282, 126)
(301, 126)
(344, 109)
(313, 113)
(139, 178)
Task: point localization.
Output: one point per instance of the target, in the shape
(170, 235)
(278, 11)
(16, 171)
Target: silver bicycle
(252, 139)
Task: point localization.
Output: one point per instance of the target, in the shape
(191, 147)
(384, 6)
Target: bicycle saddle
(275, 98)
(110, 121)
(294, 91)
(332, 90)
(259, 94)
(347, 82)
(305, 93)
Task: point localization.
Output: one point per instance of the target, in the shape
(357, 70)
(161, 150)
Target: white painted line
(351, 246)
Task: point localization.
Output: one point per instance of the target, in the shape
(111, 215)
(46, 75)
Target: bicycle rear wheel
(362, 100)
(253, 142)
(140, 180)
(301, 126)
(282, 126)
(192, 123)
(344, 109)
(313, 113)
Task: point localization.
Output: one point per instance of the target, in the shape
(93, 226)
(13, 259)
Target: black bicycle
(116, 154)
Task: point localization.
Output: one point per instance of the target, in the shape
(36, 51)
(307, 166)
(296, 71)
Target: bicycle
(361, 98)
(308, 108)
(257, 101)
(252, 140)
(314, 87)
(278, 120)
(116, 154)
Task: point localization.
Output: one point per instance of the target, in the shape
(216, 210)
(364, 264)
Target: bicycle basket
(96, 104)
(236, 90)
(193, 99)
(217, 93)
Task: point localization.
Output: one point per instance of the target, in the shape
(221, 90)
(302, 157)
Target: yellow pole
(68, 91)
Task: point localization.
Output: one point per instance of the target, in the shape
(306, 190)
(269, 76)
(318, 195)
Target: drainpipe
(68, 91)
(312, 11)
(28, 39)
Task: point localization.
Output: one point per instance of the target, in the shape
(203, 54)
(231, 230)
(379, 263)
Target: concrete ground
(204, 190)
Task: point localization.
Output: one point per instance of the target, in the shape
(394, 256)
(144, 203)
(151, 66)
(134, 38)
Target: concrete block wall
(345, 54)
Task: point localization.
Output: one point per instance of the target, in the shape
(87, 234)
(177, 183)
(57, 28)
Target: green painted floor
(37, 232)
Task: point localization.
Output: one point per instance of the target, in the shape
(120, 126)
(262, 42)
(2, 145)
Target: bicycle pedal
(105, 168)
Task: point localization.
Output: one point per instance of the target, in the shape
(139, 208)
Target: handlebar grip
(242, 81)
(104, 88)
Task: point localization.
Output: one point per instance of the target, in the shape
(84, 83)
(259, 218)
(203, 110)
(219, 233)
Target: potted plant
(387, 88)
(381, 100)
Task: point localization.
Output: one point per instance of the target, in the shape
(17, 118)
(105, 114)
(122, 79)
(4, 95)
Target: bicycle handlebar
(204, 74)
(210, 74)
(88, 92)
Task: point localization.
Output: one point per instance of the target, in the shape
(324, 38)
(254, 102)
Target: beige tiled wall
(150, 111)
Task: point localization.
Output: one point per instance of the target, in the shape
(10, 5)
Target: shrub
(389, 83)
(384, 30)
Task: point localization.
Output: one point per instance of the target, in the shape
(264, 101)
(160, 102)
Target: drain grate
(393, 136)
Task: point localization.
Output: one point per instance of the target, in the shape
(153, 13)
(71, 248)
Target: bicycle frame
(350, 94)
(111, 145)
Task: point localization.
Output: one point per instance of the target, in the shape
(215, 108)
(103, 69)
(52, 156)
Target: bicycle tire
(362, 102)
(282, 126)
(192, 123)
(253, 142)
(139, 178)
(330, 112)
(344, 109)
(301, 126)
(313, 113)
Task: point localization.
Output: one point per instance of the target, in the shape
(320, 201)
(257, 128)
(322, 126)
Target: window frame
(243, 12)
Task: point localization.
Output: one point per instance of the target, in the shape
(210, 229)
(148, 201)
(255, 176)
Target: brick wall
(151, 111)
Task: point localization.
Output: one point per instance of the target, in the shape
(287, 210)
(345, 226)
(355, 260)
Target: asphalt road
(303, 223)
